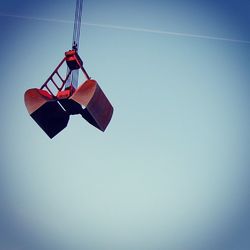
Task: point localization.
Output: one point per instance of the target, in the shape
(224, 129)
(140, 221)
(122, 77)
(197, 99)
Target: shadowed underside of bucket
(46, 111)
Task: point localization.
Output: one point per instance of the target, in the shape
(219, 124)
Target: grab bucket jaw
(98, 110)
(46, 111)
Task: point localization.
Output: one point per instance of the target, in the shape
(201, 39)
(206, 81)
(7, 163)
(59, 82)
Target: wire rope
(73, 78)
(77, 24)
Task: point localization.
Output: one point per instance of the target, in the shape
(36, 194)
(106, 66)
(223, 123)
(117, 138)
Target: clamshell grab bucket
(52, 115)
(51, 110)
(46, 111)
(59, 97)
(98, 110)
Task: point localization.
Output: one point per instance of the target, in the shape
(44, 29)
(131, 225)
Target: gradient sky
(172, 169)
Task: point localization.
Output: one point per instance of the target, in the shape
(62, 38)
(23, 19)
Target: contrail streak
(108, 26)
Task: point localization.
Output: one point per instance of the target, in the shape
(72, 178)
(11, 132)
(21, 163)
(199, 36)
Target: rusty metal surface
(98, 110)
(35, 98)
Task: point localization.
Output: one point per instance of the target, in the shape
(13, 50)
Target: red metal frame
(63, 81)
(83, 70)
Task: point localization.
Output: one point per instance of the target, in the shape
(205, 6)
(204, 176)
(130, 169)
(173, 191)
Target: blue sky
(172, 169)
